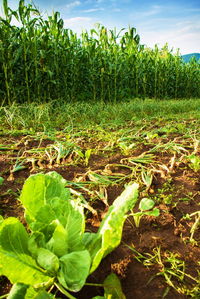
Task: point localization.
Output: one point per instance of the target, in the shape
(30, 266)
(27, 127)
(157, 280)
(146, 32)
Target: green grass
(58, 115)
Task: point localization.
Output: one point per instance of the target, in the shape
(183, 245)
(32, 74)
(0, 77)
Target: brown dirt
(170, 231)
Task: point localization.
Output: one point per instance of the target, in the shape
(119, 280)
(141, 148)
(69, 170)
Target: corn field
(40, 60)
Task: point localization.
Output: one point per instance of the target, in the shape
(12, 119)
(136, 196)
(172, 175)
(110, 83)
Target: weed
(171, 267)
(146, 208)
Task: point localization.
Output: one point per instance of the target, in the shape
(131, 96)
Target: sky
(176, 22)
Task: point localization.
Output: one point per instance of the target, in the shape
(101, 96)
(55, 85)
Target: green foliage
(102, 243)
(112, 288)
(194, 162)
(41, 60)
(146, 208)
(57, 250)
(18, 291)
(28, 118)
(1, 180)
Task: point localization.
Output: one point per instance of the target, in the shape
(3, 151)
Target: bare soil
(177, 194)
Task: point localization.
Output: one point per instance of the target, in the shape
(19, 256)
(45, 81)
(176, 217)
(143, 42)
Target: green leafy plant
(146, 208)
(171, 268)
(56, 250)
(1, 180)
(112, 288)
(194, 162)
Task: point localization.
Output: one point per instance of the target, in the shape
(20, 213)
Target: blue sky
(157, 22)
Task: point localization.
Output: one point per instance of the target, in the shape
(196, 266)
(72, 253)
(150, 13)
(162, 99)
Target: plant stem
(63, 291)
(4, 296)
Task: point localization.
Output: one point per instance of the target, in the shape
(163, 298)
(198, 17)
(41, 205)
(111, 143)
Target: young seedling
(112, 288)
(146, 208)
(194, 162)
(87, 156)
(171, 267)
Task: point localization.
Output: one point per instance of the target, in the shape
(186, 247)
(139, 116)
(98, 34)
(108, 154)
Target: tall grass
(40, 60)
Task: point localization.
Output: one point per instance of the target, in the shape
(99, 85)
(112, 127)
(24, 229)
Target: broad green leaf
(36, 241)
(31, 293)
(47, 260)
(195, 162)
(57, 176)
(75, 226)
(46, 219)
(110, 231)
(46, 214)
(18, 291)
(48, 207)
(41, 189)
(92, 242)
(146, 204)
(64, 232)
(38, 294)
(74, 269)
(112, 287)
(59, 241)
(23, 291)
(43, 295)
(155, 212)
(15, 260)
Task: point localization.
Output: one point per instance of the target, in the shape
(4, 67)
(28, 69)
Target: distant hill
(187, 57)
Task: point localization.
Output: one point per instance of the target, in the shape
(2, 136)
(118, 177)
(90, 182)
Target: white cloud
(163, 24)
(93, 10)
(71, 5)
(78, 24)
(183, 35)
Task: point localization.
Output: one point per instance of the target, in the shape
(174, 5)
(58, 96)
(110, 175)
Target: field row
(159, 252)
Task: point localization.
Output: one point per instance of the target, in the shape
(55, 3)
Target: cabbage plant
(56, 250)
